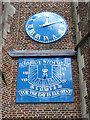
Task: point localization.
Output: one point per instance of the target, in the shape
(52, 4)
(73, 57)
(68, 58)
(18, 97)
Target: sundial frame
(47, 83)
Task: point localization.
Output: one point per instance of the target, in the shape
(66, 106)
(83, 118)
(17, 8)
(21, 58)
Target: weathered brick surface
(83, 14)
(17, 39)
(84, 27)
(86, 72)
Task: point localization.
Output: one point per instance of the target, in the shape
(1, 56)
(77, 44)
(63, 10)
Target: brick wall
(86, 72)
(17, 39)
(82, 10)
(4, 28)
(83, 26)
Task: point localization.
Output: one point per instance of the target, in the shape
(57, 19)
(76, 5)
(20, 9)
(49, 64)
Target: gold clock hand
(52, 23)
(47, 20)
(44, 25)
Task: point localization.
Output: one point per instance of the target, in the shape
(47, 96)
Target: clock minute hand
(47, 24)
(51, 23)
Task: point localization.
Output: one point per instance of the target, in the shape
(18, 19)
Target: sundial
(44, 80)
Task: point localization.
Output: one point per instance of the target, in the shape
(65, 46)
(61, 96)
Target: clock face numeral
(32, 19)
(54, 37)
(38, 16)
(31, 32)
(61, 20)
(46, 38)
(46, 27)
(62, 25)
(48, 14)
(60, 31)
(30, 26)
(37, 36)
(54, 15)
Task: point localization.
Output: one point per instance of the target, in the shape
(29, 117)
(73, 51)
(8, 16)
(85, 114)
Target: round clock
(46, 27)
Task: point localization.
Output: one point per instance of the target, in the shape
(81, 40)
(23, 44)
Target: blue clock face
(46, 27)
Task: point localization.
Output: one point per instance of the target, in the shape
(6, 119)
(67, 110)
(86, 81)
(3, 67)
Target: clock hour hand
(47, 19)
(47, 24)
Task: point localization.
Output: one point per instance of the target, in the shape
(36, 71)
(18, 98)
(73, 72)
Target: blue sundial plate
(50, 33)
(44, 80)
